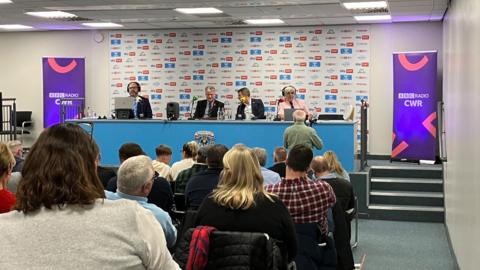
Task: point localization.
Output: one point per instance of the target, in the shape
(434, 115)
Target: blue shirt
(162, 216)
(270, 177)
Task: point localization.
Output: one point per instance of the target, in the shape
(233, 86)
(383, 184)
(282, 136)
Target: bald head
(319, 165)
(299, 116)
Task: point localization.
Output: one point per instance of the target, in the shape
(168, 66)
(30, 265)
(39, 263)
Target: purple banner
(414, 105)
(62, 78)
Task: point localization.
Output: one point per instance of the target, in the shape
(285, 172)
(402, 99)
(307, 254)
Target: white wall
(462, 99)
(21, 55)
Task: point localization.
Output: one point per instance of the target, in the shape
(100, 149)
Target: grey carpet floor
(392, 245)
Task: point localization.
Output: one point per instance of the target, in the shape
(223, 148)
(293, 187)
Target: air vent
(370, 11)
(213, 15)
(74, 19)
(237, 23)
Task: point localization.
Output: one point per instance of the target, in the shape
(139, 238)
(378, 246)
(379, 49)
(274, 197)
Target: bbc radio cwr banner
(415, 105)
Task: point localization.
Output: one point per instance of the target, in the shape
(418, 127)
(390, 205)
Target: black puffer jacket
(235, 251)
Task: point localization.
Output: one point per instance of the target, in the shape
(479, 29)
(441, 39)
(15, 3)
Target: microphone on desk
(194, 98)
(280, 100)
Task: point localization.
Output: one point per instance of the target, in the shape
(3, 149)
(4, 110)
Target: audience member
(279, 157)
(299, 133)
(334, 165)
(208, 108)
(203, 183)
(7, 162)
(161, 194)
(291, 102)
(189, 152)
(17, 150)
(269, 177)
(249, 108)
(161, 163)
(135, 181)
(141, 106)
(105, 174)
(306, 200)
(200, 165)
(62, 220)
(240, 202)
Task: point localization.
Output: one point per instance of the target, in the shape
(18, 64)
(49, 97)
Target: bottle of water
(220, 114)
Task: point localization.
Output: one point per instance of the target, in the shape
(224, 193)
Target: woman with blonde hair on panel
(240, 203)
(7, 162)
(62, 220)
(335, 166)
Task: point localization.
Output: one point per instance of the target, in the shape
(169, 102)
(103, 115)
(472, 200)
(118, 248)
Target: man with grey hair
(269, 177)
(16, 148)
(299, 133)
(208, 108)
(200, 165)
(134, 182)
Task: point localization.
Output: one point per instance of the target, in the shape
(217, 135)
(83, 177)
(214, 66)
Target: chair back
(23, 116)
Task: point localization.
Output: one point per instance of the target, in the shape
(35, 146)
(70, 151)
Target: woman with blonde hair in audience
(240, 203)
(335, 166)
(7, 162)
(62, 220)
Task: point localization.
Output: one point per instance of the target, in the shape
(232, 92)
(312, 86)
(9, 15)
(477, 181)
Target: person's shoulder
(218, 103)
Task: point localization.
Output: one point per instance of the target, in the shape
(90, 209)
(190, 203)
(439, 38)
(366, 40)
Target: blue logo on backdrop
(226, 40)
(197, 53)
(143, 78)
(240, 83)
(285, 77)
(226, 65)
(169, 65)
(344, 77)
(285, 38)
(142, 41)
(198, 77)
(116, 54)
(330, 97)
(346, 51)
(359, 98)
(330, 110)
(184, 108)
(269, 109)
(302, 96)
(255, 52)
(314, 64)
(155, 96)
(255, 39)
(116, 41)
(184, 96)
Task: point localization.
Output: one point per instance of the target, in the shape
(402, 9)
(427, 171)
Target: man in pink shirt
(291, 102)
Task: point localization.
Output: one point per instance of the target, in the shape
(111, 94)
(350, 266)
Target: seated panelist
(291, 102)
(141, 106)
(208, 108)
(249, 108)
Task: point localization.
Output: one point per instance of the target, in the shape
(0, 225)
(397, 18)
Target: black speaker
(173, 111)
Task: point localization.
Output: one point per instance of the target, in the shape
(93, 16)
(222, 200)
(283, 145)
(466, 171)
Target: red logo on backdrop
(302, 90)
(229, 58)
(317, 83)
(132, 78)
(158, 65)
(258, 33)
(288, 45)
(318, 57)
(229, 83)
(273, 77)
(119, 85)
(173, 84)
(188, 90)
(201, 71)
(303, 64)
(118, 60)
(364, 64)
(187, 53)
(244, 77)
(146, 47)
(158, 115)
(118, 35)
(187, 78)
(131, 54)
(258, 83)
(172, 34)
(349, 44)
(229, 96)
(288, 71)
(365, 37)
(243, 52)
(215, 65)
(228, 33)
(173, 59)
(318, 31)
(334, 91)
(334, 51)
(201, 47)
(273, 51)
(334, 77)
(303, 38)
(258, 58)
(158, 40)
(318, 109)
(159, 90)
(272, 103)
(214, 40)
(349, 70)
(146, 72)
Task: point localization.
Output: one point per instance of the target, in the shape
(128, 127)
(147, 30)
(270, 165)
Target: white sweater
(107, 235)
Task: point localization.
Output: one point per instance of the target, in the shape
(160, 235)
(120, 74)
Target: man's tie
(209, 107)
(291, 104)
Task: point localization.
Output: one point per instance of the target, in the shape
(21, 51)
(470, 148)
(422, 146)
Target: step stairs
(406, 193)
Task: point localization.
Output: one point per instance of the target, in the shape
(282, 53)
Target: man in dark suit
(208, 108)
(279, 157)
(249, 108)
(141, 107)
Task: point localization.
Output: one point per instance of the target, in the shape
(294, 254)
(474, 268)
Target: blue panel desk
(111, 134)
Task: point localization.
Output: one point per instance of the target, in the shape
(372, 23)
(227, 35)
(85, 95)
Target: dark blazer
(200, 185)
(144, 110)
(279, 168)
(258, 110)
(202, 105)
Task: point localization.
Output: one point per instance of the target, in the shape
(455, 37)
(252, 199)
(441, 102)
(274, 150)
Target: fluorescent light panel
(5, 1)
(14, 26)
(51, 14)
(373, 18)
(365, 5)
(102, 24)
(208, 10)
(264, 21)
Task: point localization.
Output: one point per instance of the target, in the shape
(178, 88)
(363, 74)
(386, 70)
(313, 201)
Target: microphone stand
(277, 118)
(191, 108)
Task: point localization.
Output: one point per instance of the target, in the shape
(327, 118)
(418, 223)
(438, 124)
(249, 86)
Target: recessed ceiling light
(5, 1)
(264, 21)
(51, 14)
(373, 18)
(102, 24)
(208, 10)
(14, 26)
(365, 5)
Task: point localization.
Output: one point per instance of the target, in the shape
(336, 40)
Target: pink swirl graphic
(59, 69)
(412, 66)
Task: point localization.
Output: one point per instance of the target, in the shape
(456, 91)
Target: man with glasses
(141, 106)
(208, 108)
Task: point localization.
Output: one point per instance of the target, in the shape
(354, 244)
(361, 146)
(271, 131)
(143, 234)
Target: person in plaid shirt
(306, 200)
